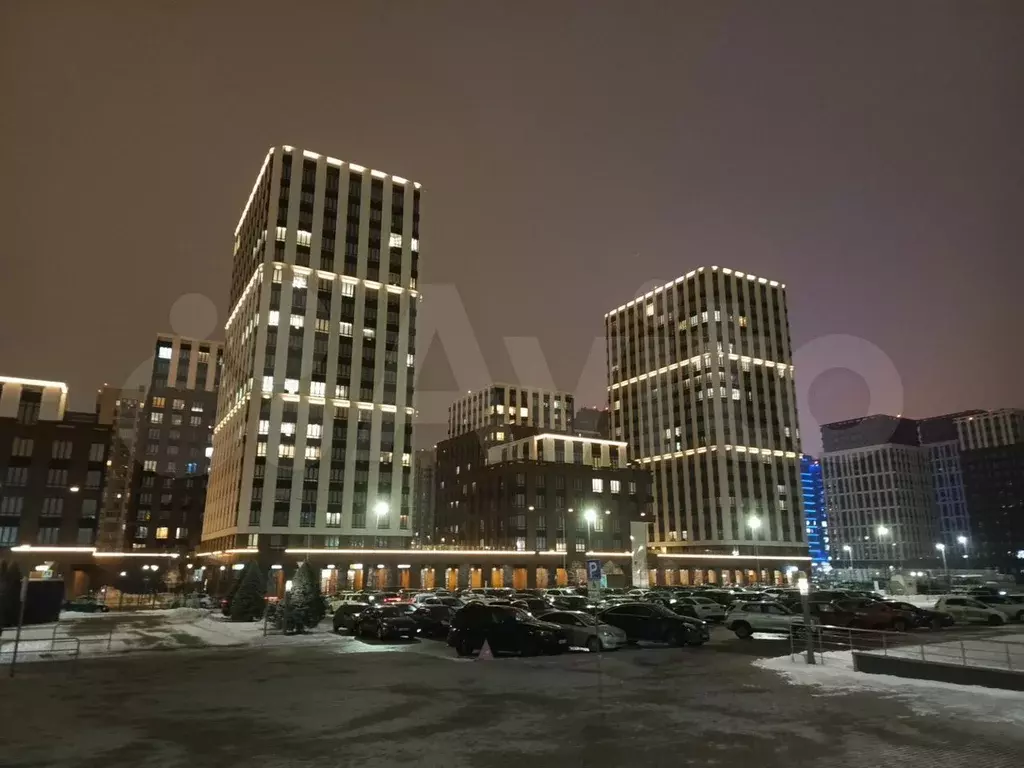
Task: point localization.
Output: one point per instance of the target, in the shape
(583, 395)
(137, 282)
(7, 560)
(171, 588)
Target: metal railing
(980, 652)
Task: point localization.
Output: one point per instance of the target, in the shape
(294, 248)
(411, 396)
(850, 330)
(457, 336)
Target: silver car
(584, 631)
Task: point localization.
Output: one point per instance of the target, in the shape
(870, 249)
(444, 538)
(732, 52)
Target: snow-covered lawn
(835, 675)
(95, 634)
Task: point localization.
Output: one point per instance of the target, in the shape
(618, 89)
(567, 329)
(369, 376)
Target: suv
(747, 618)
(964, 608)
(505, 630)
(650, 621)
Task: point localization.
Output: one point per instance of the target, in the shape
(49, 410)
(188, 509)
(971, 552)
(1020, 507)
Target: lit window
(314, 430)
(274, 317)
(348, 289)
(268, 383)
(286, 451)
(369, 333)
(334, 519)
(299, 281)
(197, 407)
(395, 241)
(406, 460)
(181, 533)
(312, 451)
(179, 405)
(323, 325)
(302, 237)
(161, 532)
(282, 232)
(277, 275)
(261, 448)
(524, 412)
(288, 428)
(149, 466)
(156, 418)
(410, 360)
(164, 352)
(158, 402)
(345, 329)
(614, 486)
(415, 244)
(597, 485)
(264, 427)
(318, 388)
(499, 435)
(295, 321)
(341, 390)
(291, 386)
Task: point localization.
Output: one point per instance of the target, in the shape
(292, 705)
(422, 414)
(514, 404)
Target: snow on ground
(835, 675)
(100, 634)
(1002, 652)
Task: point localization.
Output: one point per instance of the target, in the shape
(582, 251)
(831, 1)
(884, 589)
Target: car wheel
(463, 648)
(381, 634)
(937, 623)
(743, 630)
(594, 644)
(899, 625)
(994, 620)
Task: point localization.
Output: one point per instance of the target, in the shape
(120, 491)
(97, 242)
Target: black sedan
(85, 605)
(655, 623)
(347, 615)
(386, 622)
(432, 620)
(505, 629)
(538, 606)
(925, 617)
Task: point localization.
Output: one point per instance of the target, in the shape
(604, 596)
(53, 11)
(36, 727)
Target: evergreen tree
(247, 603)
(10, 594)
(305, 602)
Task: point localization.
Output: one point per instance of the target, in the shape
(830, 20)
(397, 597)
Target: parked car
(432, 620)
(573, 603)
(655, 623)
(876, 614)
(505, 629)
(346, 615)
(386, 622)
(747, 618)
(703, 608)
(585, 631)
(969, 609)
(451, 602)
(925, 617)
(1012, 606)
(85, 604)
(538, 606)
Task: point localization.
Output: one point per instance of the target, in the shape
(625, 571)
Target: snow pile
(834, 675)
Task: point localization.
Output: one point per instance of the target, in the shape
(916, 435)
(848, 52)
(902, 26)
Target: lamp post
(945, 567)
(805, 590)
(882, 531)
(849, 554)
(590, 515)
(963, 541)
(754, 523)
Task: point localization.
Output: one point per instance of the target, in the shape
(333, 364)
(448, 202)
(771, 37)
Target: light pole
(590, 516)
(754, 523)
(882, 531)
(962, 541)
(849, 554)
(942, 551)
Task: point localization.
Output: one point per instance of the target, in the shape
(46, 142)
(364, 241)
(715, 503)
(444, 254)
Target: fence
(982, 652)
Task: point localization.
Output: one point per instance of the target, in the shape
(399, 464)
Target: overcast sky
(868, 155)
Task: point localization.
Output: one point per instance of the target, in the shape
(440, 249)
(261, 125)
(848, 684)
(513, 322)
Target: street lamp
(881, 531)
(942, 551)
(590, 515)
(849, 553)
(754, 523)
(962, 541)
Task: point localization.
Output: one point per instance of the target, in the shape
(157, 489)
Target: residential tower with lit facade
(313, 444)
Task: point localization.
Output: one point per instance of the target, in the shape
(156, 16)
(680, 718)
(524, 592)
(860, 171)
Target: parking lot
(347, 701)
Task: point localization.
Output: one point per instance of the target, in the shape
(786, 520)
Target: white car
(747, 618)
(967, 609)
(1011, 606)
(585, 631)
(705, 608)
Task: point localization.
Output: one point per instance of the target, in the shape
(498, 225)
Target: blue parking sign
(593, 570)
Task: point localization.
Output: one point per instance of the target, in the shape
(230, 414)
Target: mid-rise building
(495, 408)
(313, 447)
(425, 496)
(700, 384)
(815, 517)
(52, 467)
(992, 460)
(938, 435)
(173, 446)
(121, 409)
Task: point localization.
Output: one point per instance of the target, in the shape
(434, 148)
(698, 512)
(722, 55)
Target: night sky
(869, 155)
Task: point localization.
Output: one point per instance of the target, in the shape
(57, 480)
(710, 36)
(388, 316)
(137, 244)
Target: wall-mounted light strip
(35, 383)
(687, 276)
(697, 359)
(726, 557)
(170, 555)
(252, 194)
(705, 449)
(253, 279)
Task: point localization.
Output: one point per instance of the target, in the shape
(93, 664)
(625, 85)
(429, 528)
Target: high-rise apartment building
(425, 494)
(52, 467)
(815, 517)
(173, 445)
(593, 422)
(938, 435)
(495, 408)
(992, 459)
(700, 383)
(313, 446)
(121, 409)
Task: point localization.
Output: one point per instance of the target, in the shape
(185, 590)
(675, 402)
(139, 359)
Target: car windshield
(393, 611)
(661, 609)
